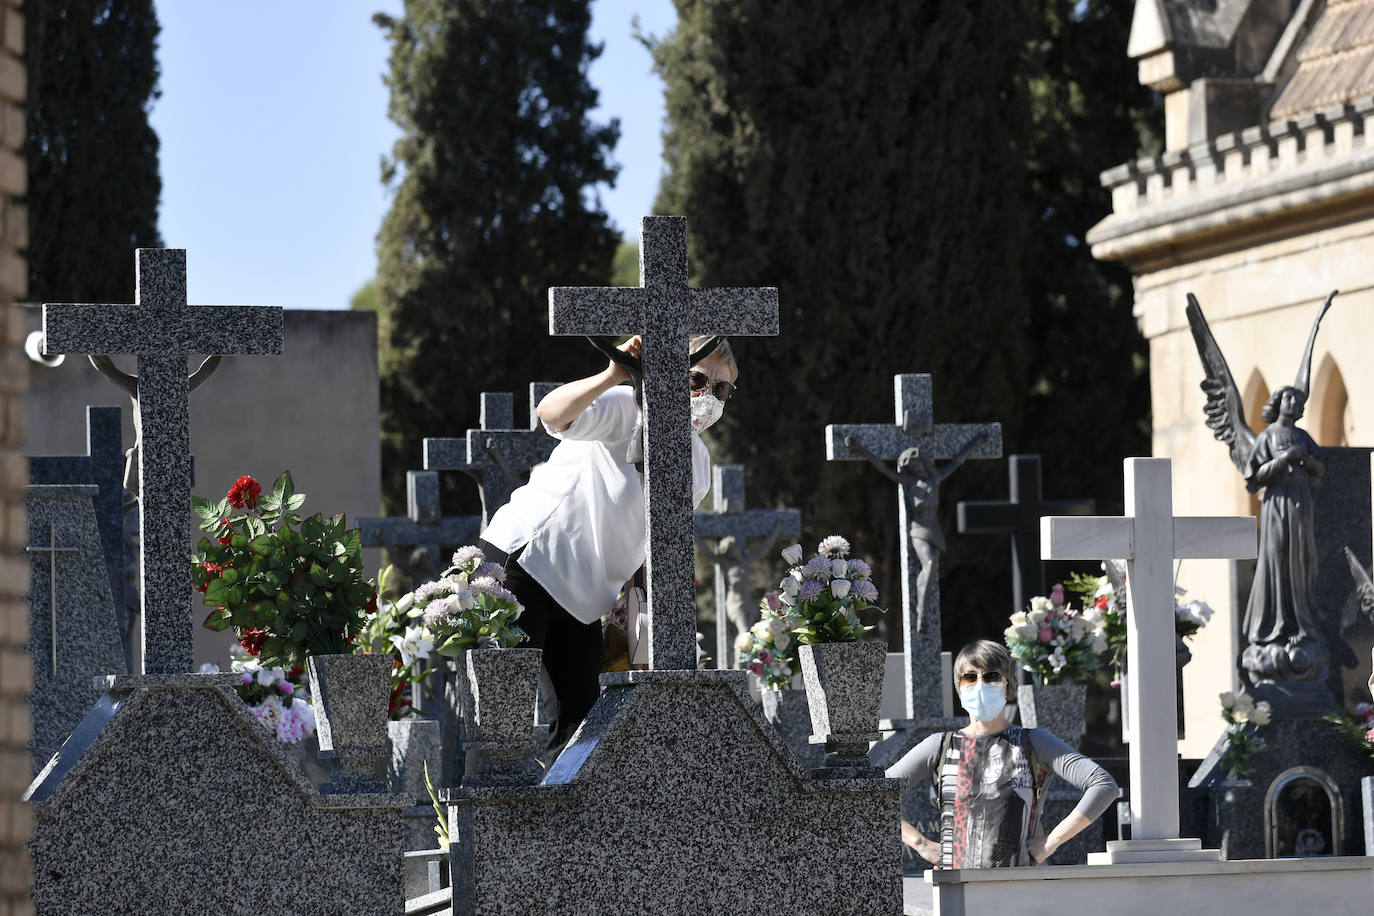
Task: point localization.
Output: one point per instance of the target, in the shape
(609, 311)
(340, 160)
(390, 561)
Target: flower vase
(844, 690)
(351, 694)
(498, 697)
(1059, 709)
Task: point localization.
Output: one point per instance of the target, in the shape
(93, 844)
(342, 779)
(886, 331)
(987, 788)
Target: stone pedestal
(676, 794)
(350, 694)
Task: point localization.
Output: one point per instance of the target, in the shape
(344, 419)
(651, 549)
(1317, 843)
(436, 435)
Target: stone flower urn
(1059, 709)
(844, 690)
(498, 698)
(350, 694)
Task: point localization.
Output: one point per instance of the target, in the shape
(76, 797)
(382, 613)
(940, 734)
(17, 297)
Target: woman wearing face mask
(575, 533)
(992, 782)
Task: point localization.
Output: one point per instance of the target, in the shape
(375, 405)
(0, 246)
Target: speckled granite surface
(675, 796)
(175, 800)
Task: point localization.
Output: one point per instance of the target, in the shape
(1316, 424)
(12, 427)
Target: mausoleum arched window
(1328, 409)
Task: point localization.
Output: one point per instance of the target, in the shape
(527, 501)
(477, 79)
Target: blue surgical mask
(983, 702)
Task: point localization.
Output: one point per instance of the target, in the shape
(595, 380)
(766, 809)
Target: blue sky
(273, 124)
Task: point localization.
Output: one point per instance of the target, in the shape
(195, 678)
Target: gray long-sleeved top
(1098, 787)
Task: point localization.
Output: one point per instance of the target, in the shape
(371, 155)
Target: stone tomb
(674, 793)
(73, 633)
(170, 796)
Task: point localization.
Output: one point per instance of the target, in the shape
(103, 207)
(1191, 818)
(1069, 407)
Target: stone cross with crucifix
(423, 526)
(731, 525)
(915, 428)
(667, 312)
(162, 331)
(497, 453)
(1019, 517)
(1149, 537)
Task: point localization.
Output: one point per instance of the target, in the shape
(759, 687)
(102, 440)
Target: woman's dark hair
(986, 655)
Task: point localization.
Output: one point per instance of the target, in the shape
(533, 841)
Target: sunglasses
(989, 677)
(700, 381)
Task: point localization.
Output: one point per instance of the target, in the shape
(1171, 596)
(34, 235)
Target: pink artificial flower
(247, 677)
(765, 656)
(1057, 596)
(1046, 632)
(286, 687)
(774, 602)
(1369, 736)
(756, 667)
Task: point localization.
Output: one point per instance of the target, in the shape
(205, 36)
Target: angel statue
(1364, 588)
(1284, 647)
(920, 482)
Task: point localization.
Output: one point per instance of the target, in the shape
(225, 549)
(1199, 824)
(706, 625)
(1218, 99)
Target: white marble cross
(1150, 538)
(162, 331)
(667, 312)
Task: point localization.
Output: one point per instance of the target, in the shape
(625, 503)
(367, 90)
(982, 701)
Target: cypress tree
(494, 180)
(92, 156)
(916, 178)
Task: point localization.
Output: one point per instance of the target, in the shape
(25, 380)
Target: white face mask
(706, 410)
(983, 702)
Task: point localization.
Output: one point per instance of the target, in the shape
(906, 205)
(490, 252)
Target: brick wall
(16, 674)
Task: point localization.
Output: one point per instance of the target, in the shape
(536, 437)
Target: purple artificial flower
(833, 547)
(493, 570)
(816, 568)
(810, 590)
(464, 555)
(864, 590)
(858, 569)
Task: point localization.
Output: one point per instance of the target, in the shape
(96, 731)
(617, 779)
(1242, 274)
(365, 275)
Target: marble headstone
(73, 633)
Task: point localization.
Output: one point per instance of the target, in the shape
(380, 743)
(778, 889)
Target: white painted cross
(667, 312)
(1150, 538)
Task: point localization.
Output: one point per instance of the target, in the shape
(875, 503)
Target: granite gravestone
(497, 453)
(645, 807)
(915, 427)
(162, 330)
(731, 525)
(1019, 517)
(103, 467)
(1150, 538)
(73, 631)
(170, 771)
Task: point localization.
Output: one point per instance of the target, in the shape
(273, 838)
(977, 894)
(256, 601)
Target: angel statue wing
(1225, 412)
(1364, 586)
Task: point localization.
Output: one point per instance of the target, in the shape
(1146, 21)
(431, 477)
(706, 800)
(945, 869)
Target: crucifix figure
(667, 313)
(497, 453)
(1150, 538)
(52, 550)
(1019, 516)
(731, 526)
(162, 331)
(915, 428)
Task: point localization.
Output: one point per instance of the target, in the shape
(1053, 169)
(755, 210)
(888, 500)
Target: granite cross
(162, 331)
(1150, 538)
(915, 426)
(52, 550)
(423, 525)
(728, 518)
(497, 453)
(667, 312)
(1019, 516)
(103, 466)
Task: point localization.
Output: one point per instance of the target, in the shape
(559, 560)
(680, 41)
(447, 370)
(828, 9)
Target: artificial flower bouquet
(1055, 642)
(403, 635)
(279, 698)
(289, 587)
(1098, 591)
(1244, 719)
(767, 648)
(467, 607)
(824, 595)
(1356, 727)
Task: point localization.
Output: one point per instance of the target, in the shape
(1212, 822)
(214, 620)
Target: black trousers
(572, 649)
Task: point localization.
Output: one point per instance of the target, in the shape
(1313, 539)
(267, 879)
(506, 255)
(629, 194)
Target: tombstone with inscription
(674, 788)
(170, 773)
(498, 453)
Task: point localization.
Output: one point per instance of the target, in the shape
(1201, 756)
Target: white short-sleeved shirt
(581, 516)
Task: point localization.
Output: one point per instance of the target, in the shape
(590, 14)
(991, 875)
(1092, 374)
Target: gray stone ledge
(120, 682)
(59, 490)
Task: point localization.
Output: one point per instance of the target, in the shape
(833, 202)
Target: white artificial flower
(787, 599)
(1245, 704)
(1011, 633)
(744, 642)
(1041, 604)
(208, 668)
(838, 568)
(790, 587)
(266, 677)
(1262, 713)
(793, 554)
(1099, 644)
(1228, 700)
(782, 641)
(776, 625)
(839, 587)
(1018, 619)
(416, 643)
(1078, 628)
(406, 602)
(1057, 659)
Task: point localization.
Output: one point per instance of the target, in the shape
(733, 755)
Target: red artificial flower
(252, 641)
(209, 569)
(372, 603)
(398, 700)
(1101, 602)
(226, 539)
(244, 493)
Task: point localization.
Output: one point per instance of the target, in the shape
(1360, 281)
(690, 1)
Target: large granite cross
(162, 331)
(1150, 538)
(497, 453)
(423, 525)
(915, 426)
(728, 518)
(667, 312)
(1019, 517)
(103, 466)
